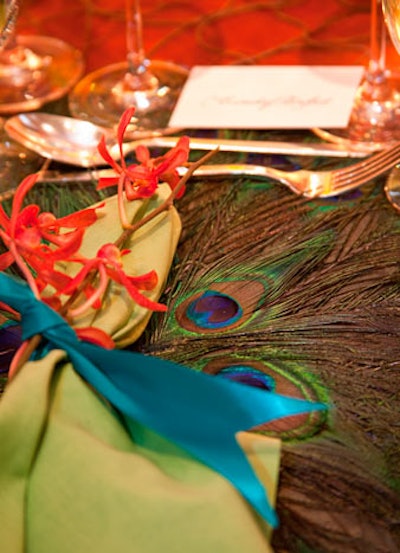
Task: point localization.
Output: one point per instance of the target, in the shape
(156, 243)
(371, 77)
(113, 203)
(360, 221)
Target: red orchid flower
(109, 267)
(38, 240)
(47, 275)
(141, 180)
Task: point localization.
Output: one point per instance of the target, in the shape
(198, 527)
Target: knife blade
(260, 146)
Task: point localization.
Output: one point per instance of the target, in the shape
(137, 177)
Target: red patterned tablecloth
(193, 32)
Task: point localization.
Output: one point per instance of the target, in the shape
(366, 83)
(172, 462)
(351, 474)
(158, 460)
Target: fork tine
(367, 169)
(376, 160)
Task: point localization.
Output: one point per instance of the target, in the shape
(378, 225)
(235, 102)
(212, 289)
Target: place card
(267, 97)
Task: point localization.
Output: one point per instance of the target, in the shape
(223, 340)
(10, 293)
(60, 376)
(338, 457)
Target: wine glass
(33, 69)
(391, 12)
(375, 116)
(151, 86)
(16, 161)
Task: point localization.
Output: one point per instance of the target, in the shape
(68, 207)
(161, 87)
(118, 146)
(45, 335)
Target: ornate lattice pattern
(193, 32)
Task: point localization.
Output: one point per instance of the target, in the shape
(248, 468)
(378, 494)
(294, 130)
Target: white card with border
(267, 97)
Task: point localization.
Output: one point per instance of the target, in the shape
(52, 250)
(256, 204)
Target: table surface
(319, 281)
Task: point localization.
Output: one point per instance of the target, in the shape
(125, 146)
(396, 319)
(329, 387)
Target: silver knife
(259, 146)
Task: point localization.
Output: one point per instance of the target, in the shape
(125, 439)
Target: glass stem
(376, 71)
(9, 13)
(134, 37)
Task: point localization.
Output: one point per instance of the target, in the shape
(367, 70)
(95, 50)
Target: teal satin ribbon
(196, 411)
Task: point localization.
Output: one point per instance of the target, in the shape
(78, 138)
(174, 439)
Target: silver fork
(315, 184)
(311, 184)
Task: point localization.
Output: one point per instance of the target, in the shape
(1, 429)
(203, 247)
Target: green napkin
(73, 481)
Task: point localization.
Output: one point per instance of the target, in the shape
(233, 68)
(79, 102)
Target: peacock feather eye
(221, 307)
(246, 374)
(285, 379)
(214, 310)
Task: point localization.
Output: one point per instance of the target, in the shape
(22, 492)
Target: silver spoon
(64, 139)
(74, 141)
(392, 187)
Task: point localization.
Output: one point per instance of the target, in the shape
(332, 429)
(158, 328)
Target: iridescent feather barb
(302, 298)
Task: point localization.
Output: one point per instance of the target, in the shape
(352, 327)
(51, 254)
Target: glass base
(37, 70)
(102, 96)
(16, 162)
(375, 118)
(392, 187)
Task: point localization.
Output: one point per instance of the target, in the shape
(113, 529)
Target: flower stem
(127, 233)
(23, 354)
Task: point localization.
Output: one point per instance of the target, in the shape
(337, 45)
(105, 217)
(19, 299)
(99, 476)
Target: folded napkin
(152, 247)
(72, 479)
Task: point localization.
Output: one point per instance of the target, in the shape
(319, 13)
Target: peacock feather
(302, 297)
